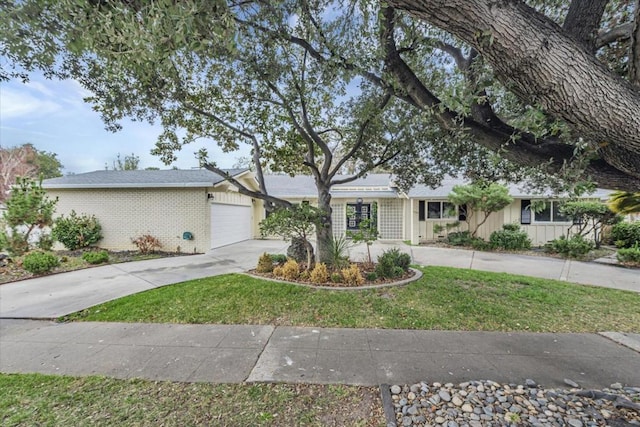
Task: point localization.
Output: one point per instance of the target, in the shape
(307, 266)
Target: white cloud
(17, 104)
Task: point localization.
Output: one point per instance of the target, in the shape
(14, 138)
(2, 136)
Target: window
(550, 213)
(525, 211)
(421, 210)
(441, 210)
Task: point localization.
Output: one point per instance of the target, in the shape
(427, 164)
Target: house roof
(303, 186)
(421, 191)
(141, 179)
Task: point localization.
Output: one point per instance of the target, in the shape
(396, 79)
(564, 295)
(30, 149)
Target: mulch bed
(364, 267)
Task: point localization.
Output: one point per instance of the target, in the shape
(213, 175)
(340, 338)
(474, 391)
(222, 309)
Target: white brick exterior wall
(128, 213)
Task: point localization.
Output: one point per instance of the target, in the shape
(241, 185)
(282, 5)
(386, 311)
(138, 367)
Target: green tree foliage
(172, 62)
(77, 231)
(589, 218)
(128, 163)
(480, 199)
(298, 221)
(623, 202)
(28, 209)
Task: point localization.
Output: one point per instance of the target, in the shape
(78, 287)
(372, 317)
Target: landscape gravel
(488, 403)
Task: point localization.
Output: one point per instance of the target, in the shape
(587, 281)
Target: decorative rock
(571, 383)
(440, 420)
(444, 395)
(467, 408)
(575, 423)
(530, 383)
(395, 389)
(616, 386)
(411, 396)
(456, 400)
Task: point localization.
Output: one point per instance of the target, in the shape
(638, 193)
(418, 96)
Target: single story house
(197, 210)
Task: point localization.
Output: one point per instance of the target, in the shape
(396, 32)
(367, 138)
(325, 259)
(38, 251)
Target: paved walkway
(237, 353)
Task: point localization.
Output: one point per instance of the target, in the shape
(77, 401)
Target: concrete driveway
(57, 295)
(61, 294)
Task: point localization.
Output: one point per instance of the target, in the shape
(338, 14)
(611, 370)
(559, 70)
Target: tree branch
(634, 53)
(242, 189)
(582, 21)
(621, 32)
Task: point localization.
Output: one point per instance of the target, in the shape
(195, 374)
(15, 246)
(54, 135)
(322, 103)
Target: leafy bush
(45, 242)
(77, 231)
(146, 243)
(626, 234)
(291, 270)
(575, 247)
(372, 276)
(479, 244)
(336, 277)
(278, 258)
(459, 238)
(278, 271)
(265, 263)
(398, 271)
(352, 275)
(511, 237)
(96, 257)
(629, 255)
(389, 260)
(319, 274)
(39, 262)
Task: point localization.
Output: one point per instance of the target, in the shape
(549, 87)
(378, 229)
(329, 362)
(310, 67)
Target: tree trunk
(324, 230)
(542, 65)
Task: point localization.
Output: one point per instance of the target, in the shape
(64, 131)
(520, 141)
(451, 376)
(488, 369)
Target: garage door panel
(230, 224)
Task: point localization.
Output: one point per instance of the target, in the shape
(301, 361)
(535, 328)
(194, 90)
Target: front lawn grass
(46, 400)
(444, 298)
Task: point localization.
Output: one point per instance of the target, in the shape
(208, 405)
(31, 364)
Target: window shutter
(421, 210)
(525, 211)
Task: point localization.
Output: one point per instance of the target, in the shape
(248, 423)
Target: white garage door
(229, 224)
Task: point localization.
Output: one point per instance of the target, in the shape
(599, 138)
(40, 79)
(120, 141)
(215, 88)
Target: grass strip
(445, 299)
(47, 400)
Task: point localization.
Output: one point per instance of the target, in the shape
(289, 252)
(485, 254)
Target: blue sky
(51, 115)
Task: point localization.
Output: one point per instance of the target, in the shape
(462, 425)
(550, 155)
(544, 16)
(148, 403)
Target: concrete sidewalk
(239, 353)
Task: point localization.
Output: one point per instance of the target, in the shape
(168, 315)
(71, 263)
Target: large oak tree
(549, 85)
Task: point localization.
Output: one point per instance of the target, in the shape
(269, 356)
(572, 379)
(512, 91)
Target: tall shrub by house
(77, 231)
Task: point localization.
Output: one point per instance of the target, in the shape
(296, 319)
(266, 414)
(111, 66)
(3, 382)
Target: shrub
(319, 274)
(398, 271)
(96, 257)
(339, 254)
(146, 243)
(278, 271)
(511, 237)
(629, 255)
(291, 270)
(459, 238)
(372, 276)
(278, 258)
(391, 259)
(626, 234)
(39, 262)
(479, 244)
(77, 231)
(46, 242)
(336, 278)
(575, 247)
(352, 275)
(265, 263)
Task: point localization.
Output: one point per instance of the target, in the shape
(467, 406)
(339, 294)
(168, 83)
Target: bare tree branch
(619, 33)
